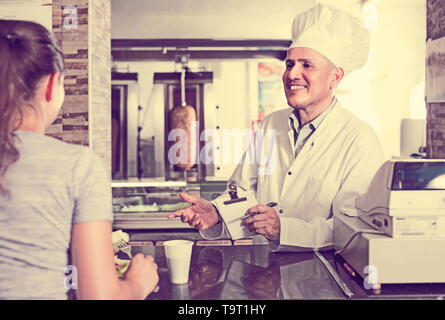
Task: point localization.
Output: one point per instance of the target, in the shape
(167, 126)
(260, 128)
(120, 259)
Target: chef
(323, 156)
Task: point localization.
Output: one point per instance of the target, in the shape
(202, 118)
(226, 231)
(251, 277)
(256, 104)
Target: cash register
(398, 234)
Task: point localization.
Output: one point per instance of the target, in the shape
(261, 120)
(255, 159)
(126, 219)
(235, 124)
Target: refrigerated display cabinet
(146, 204)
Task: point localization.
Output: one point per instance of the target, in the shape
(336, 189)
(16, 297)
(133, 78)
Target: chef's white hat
(334, 33)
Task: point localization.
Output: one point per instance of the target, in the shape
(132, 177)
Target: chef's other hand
(143, 271)
(201, 214)
(266, 223)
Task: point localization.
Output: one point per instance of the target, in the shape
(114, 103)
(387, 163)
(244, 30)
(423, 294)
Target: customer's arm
(96, 274)
(91, 240)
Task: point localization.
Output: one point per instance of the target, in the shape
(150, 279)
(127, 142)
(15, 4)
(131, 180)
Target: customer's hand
(201, 214)
(143, 271)
(266, 223)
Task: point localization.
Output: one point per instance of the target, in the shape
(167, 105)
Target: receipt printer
(400, 229)
(406, 199)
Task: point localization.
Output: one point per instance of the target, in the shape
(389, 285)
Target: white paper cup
(180, 292)
(178, 254)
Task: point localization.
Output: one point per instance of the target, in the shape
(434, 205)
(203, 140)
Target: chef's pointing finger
(175, 214)
(186, 197)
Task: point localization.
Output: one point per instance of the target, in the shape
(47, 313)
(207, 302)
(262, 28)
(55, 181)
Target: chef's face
(309, 78)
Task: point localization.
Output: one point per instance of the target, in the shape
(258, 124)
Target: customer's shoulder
(49, 146)
(68, 149)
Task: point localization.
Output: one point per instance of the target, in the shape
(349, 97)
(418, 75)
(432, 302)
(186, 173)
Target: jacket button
(281, 210)
(289, 172)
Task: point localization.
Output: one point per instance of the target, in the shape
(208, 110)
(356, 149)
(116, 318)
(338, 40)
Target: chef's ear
(336, 76)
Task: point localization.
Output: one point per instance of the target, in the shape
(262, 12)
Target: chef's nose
(294, 73)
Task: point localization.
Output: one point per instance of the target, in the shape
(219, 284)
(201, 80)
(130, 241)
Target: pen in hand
(270, 204)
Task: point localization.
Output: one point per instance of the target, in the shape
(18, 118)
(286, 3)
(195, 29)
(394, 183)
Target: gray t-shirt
(52, 186)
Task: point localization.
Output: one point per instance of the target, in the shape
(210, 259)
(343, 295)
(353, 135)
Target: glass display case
(145, 204)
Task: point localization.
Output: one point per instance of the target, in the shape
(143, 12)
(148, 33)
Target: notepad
(232, 211)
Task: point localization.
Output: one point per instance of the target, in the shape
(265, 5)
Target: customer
(54, 197)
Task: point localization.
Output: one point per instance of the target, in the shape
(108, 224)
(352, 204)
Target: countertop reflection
(255, 272)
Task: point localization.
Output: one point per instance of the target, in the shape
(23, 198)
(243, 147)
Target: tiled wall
(100, 78)
(436, 130)
(85, 36)
(72, 124)
(435, 111)
(435, 19)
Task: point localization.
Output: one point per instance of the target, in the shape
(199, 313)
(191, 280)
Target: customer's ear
(50, 82)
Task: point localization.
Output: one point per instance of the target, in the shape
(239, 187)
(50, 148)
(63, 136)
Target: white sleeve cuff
(314, 234)
(217, 232)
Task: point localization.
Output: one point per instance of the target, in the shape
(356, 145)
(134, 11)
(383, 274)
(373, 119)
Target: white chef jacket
(334, 166)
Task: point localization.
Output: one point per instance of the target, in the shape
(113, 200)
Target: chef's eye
(289, 65)
(306, 65)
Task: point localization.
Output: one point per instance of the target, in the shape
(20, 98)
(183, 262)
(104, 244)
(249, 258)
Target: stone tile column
(83, 28)
(435, 119)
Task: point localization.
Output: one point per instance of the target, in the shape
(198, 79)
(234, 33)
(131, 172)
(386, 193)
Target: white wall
(216, 19)
(398, 90)
(390, 87)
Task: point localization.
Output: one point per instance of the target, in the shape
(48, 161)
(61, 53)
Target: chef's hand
(266, 223)
(201, 215)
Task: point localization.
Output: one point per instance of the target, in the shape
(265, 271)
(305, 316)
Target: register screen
(418, 176)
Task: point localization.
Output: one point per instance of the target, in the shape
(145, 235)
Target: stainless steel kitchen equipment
(145, 204)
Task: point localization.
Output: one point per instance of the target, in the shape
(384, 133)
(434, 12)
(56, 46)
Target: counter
(241, 272)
